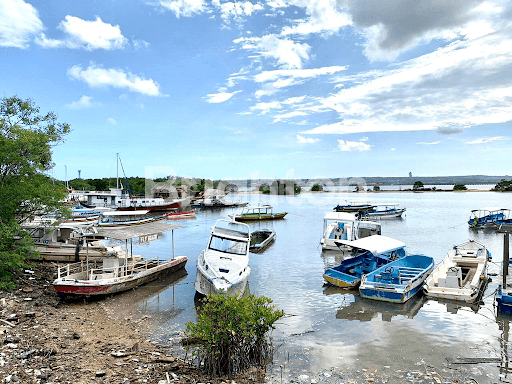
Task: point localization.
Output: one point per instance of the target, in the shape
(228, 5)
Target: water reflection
(354, 307)
(504, 326)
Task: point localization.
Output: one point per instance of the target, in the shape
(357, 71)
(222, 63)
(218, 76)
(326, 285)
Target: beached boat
(223, 266)
(370, 253)
(125, 218)
(397, 281)
(345, 226)
(354, 206)
(262, 212)
(181, 215)
(114, 275)
(385, 211)
(461, 275)
(486, 217)
(261, 240)
(214, 198)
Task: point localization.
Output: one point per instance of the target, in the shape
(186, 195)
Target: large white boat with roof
(223, 266)
(346, 226)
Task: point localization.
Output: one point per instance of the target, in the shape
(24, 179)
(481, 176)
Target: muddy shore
(46, 340)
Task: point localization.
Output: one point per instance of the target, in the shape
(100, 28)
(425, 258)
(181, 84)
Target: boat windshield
(222, 244)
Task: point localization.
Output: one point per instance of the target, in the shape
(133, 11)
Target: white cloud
(324, 17)
(99, 77)
(138, 43)
(431, 143)
(287, 53)
(237, 10)
(486, 140)
(364, 138)
(289, 115)
(19, 22)
(266, 76)
(348, 146)
(306, 140)
(84, 103)
(266, 107)
(220, 97)
(393, 149)
(186, 8)
(112, 121)
(457, 86)
(84, 34)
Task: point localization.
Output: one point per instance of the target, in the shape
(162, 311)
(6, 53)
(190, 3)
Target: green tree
(317, 188)
(417, 185)
(460, 187)
(376, 188)
(26, 140)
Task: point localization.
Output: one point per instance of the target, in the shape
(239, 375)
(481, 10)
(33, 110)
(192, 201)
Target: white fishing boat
(345, 226)
(223, 266)
(461, 275)
(215, 198)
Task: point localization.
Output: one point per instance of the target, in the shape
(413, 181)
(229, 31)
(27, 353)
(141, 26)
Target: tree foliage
(460, 187)
(503, 186)
(317, 188)
(417, 185)
(26, 140)
(230, 333)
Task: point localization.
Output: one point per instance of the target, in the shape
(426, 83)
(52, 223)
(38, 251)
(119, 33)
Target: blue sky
(267, 89)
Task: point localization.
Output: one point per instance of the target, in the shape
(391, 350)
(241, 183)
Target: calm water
(328, 327)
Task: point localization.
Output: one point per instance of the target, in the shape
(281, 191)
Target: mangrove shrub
(231, 333)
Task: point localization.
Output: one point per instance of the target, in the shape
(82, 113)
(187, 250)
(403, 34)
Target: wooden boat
(461, 275)
(223, 266)
(373, 252)
(181, 215)
(397, 281)
(125, 218)
(385, 211)
(354, 206)
(262, 212)
(345, 226)
(261, 240)
(114, 275)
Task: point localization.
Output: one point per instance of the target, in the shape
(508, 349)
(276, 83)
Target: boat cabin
(346, 226)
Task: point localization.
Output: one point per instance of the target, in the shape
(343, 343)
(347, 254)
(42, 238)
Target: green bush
(460, 187)
(317, 188)
(503, 186)
(231, 333)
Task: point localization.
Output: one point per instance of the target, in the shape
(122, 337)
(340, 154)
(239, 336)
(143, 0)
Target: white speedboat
(385, 211)
(461, 275)
(346, 226)
(223, 266)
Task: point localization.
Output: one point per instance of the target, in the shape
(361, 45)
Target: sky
(267, 89)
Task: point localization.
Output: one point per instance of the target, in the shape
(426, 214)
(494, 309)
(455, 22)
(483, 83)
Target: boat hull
(205, 285)
(275, 216)
(504, 300)
(264, 237)
(152, 208)
(115, 285)
(181, 215)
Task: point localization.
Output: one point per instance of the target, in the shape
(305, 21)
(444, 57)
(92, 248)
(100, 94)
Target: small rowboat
(181, 215)
(397, 281)
(461, 275)
(261, 240)
(263, 212)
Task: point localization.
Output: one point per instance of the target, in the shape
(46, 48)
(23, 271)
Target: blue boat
(504, 293)
(375, 251)
(397, 281)
(486, 217)
(504, 222)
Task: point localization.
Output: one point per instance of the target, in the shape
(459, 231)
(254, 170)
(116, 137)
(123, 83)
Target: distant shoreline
(377, 192)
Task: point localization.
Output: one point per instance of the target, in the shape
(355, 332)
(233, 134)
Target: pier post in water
(505, 258)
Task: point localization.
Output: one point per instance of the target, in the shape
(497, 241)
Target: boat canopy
(231, 229)
(131, 232)
(340, 216)
(375, 244)
(489, 209)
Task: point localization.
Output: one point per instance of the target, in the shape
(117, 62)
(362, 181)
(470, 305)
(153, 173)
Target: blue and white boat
(385, 211)
(397, 281)
(504, 222)
(486, 217)
(374, 251)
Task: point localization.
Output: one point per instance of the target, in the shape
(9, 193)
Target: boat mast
(117, 170)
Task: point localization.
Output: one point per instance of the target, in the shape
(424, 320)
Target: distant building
(410, 174)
